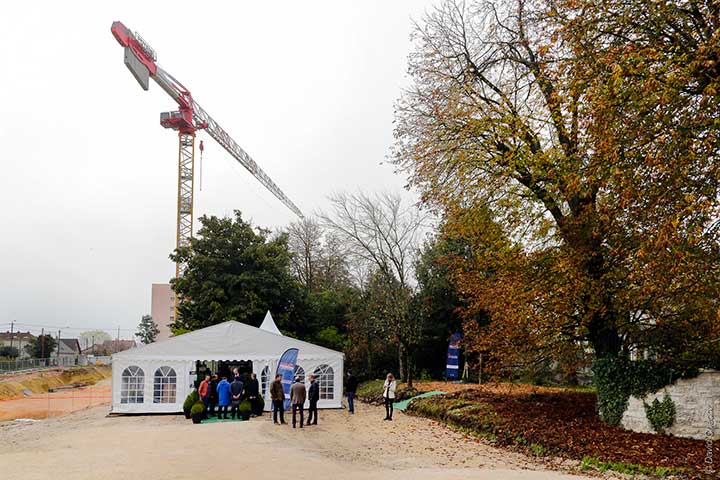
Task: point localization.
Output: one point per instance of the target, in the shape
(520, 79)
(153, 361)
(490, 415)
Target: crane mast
(141, 60)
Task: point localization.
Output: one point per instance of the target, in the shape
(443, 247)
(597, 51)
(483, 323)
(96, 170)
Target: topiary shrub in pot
(197, 412)
(245, 409)
(187, 405)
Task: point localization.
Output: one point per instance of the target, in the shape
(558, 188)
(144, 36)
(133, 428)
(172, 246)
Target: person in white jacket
(389, 395)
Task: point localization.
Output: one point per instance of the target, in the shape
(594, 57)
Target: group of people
(298, 395)
(216, 391)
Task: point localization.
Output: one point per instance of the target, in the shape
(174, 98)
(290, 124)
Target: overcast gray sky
(89, 177)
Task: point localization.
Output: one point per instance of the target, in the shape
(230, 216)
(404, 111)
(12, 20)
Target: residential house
(69, 351)
(17, 340)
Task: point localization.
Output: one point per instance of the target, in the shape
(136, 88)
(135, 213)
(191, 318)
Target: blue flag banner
(453, 357)
(286, 368)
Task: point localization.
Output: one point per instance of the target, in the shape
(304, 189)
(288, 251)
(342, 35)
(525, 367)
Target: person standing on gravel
(253, 392)
(213, 396)
(223, 390)
(277, 395)
(236, 391)
(297, 400)
(350, 389)
(313, 397)
(389, 395)
(204, 393)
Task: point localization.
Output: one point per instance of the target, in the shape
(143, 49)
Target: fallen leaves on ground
(558, 422)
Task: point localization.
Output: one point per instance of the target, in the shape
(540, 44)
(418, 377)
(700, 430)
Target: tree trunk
(409, 369)
(604, 336)
(401, 363)
(582, 236)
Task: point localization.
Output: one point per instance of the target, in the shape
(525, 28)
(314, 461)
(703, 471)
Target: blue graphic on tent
(286, 368)
(453, 357)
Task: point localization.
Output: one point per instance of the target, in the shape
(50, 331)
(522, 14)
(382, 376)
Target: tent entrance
(223, 368)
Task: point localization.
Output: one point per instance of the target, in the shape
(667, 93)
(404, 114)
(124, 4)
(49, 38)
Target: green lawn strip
(221, 420)
(592, 463)
(402, 406)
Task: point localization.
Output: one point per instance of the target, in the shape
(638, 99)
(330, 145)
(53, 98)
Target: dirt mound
(43, 381)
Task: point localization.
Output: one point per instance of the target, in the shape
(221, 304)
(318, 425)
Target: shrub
(191, 400)
(197, 409)
(9, 352)
(660, 414)
(245, 406)
(259, 405)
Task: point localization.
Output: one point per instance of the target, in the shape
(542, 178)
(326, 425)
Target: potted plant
(197, 412)
(245, 409)
(187, 406)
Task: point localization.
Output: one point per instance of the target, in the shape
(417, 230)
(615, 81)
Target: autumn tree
(579, 153)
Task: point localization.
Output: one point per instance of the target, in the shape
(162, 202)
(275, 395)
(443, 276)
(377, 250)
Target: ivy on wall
(617, 378)
(660, 414)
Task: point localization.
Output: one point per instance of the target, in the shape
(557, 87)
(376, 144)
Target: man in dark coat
(313, 397)
(253, 392)
(277, 395)
(213, 396)
(350, 389)
(236, 394)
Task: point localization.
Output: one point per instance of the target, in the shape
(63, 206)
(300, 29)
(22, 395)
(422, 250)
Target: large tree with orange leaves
(574, 145)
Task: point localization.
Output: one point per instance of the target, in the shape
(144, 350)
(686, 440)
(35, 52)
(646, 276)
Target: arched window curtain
(132, 389)
(264, 380)
(325, 377)
(165, 385)
(299, 372)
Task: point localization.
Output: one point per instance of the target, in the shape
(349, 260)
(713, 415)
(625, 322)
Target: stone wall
(697, 405)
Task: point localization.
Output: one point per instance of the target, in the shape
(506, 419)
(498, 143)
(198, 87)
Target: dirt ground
(14, 386)
(46, 405)
(90, 445)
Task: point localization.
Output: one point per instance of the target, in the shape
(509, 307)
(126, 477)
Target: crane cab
(180, 120)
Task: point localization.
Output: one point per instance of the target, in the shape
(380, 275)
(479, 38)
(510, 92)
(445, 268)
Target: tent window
(326, 379)
(299, 372)
(264, 379)
(165, 385)
(133, 385)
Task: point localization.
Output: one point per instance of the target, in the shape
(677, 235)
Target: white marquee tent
(156, 378)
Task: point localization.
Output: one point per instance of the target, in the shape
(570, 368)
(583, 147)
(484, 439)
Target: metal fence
(29, 364)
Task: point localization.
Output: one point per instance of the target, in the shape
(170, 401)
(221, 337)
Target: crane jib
(141, 60)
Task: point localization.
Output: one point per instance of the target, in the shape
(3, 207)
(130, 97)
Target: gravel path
(89, 445)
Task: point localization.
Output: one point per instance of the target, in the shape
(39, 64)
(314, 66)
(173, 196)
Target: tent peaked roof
(269, 324)
(226, 341)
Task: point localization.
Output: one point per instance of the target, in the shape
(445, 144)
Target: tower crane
(141, 60)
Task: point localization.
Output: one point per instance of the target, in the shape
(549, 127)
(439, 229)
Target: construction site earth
(72, 429)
